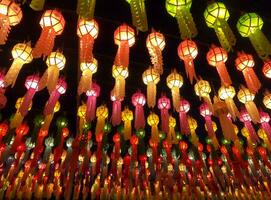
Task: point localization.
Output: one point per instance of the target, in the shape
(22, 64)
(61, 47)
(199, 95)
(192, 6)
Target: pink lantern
(207, 113)
(164, 106)
(92, 94)
(184, 108)
(139, 100)
(116, 110)
(265, 118)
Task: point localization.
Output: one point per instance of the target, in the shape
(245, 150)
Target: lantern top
(127, 115)
(153, 119)
(124, 33)
(92, 66)
(53, 19)
(156, 39)
(174, 6)
(226, 92)
(244, 95)
(150, 75)
(102, 112)
(12, 11)
(174, 80)
(184, 106)
(249, 23)
(243, 61)
(215, 14)
(32, 82)
(187, 49)
(164, 103)
(216, 55)
(87, 27)
(22, 51)
(202, 88)
(205, 110)
(56, 59)
(94, 91)
(138, 98)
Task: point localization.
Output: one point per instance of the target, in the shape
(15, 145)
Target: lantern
(139, 100)
(155, 44)
(37, 5)
(134, 143)
(127, 117)
(183, 109)
(265, 119)
(212, 140)
(245, 63)
(81, 113)
(3, 99)
(188, 51)
(150, 78)
(164, 106)
(237, 142)
(203, 89)
(216, 16)
(88, 69)
(49, 116)
(192, 123)
(120, 73)
(101, 114)
(217, 57)
(250, 25)
(267, 100)
(263, 135)
(10, 15)
(116, 110)
(20, 131)
(87, 30)
(52, 24)
(92, 95)
(180, 9)
(175, 82)
(171, 134)
(246, 134)
(22, 54)
(153, 121)
(246, 97)
(86, 8)
(267, 68)
(227, 93)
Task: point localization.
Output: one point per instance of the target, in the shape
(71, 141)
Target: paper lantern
(139, 15)
(3, 99)
(156, 43)
(37, 5)
(87, 31)
(245, 64)
(116, 110)
(22, 54)
(265, 119)
(88, 69)
(153, 121)
(192, 124)
(127, 117)
(120, 74)
(246, 97)
(86, 8)
(184, 107)
(250, 25)
(216, 16)
(217, 57)
(10, 15)
(150, 78)
(180, 9)
(139, 100)
(267, 100)
(49, 117)
(92, 95)
(20, 131)
(203, 89)
(263, 135)
(175, 82)
(101, 114)
(164, 106)
(171, 134)
(188, 51)
(81, 113)
(52, 24)
(267, 68)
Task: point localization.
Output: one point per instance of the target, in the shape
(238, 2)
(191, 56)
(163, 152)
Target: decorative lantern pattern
(183, 109)
(139, 100)
(164, 106)
(153, 121)
(127, 117)
(120, 73)
(203, 89)
(86, 8)
(265, 119)
(116, 110)
(92, 95)
(267, 68)
(101, 114)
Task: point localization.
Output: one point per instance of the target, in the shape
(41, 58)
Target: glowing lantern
(150, 78)
(52, 24)
(250, 25)
(120, 73)
(92, 95)
(217, 57)
(246, 97)
(236, 141)
(227, 93)
(263, 135)
(22, 54)
(246, 134)
(245, 63)
(192, 123)
(116, 110)
(216, 16)
(21, 131)
(156, 43)
(188, 51)
(171, 134)
(101, 114)
(267, 68)
(265, 119)
(164, 106)
(3, 99)
(153, 121)
(10, 15)
(175, 82)
(180, 9)
(81, 113)
(88, 69)
(184, 107)
(48, 117)
(213, 139)
(127, 117)
(203, 90)
(88, 31)
(267, 100)
(37, 5)
(86, 8)
(139, 100)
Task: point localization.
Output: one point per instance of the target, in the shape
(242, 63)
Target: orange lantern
(127, 117)
(153, 121)
(171, 135)
(203, 89)
(81, 113)
(267, 68)
(192, 123)
(101, 114)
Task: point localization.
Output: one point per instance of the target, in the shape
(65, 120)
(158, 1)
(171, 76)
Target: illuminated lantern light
(180, 9)
(156, 43)
(236, 141)
(20, 131)
(265, 119)
(164, 106)
(227, 94)
(246, 97)
(192, 123)
(116, 110)
(139, 100)
(217, 57)
(49, 117)
(263, 135)
(87, 30)
(127, 117)
(139, 15)
(267, 100)
(250, 25)
(81, 113)
(203, 89)
(216, 16)
(52, 24)
(188, 51)
(245, 64)
(37, 5)
(3, 99)
(171, 134)
(22, 54)
(92, 95)
(153, 121)
(120, 73)
(267, 68)
(101, 114)
(245, 133)
(86, 8)
(10, 15)
(175, 82)
(150, 78)
(184, 107)
(88, 69)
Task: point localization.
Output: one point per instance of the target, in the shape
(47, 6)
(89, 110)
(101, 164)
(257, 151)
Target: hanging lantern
(246, 97)
(22, 54)
(116, 110)
(150, 78)
(216, 16)
(127, 117)
(171, 134)
(188, 51)
(88, 69)
(81, 113)
(20, 131)
(139, 100)
(250, 25)
(156, 43)
(183, 109)
(192, 123)
(101, 114)
(86, 8)
(246, 134)
(217, 57)
(267, 99)
(227, 94)
(267, 68)
(49, 117)
(10, 15)
(92, 95)
(245, 64)
(263, 135)
(153, 121)
(175, 82)
(203, 89)
(180, 9)
(37, 5)
(87, 30)
(164, 106)
(52, 24)
(237, 142)
(120, 73)
(3, 99)
(265, 119)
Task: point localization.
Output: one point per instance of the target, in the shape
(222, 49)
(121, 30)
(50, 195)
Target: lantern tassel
(85, 82)
(261, 44)
(4, 29)
(120, 87)
(184, 123)
(91, 108)
(49, 108)
(253, 112)
(186, 24)
(223, 74)
(175, 98)
(165, 119)
(127, 130)
(12, 74)
(252, 80)
(86, 48)
(27, 101)
(190, 70)
(53, 73)
(156, 58)
(47, 121)
(139, 16)
(122, 57)
(139, 117)
(171, 136)
(209, 103)
(215, 142)
(99, 126)
(209, 126)
(155, 133)
(16, 120)
(232, 108)
(151, 94)
(227, 127)
(116, 113)
(237, 144)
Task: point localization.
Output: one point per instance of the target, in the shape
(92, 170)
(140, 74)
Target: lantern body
(92, 94)
(101, 114)
(175, 82)
(183, 109)
(267, 100)
(127, 117)
(171, 134)
(203, 89)
(153, 121)
(164, 106)
(81, 113)
(139, 100)
(192, 123)
(120, 73)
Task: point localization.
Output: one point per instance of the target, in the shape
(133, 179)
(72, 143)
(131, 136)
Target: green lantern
(86, 8)
(180, 9)
(250, 25)
(216, 16)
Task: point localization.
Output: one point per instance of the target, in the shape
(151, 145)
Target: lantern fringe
(186, 24)
(119, 87)
(13, 72)
(116, 113)
(261, 44)
(85, 82)
(127, 130)
(139, 16)
(232, 108)
(51, 103)
(155, 133)
(253, 112)
(156, 58)
(122, 57)
(139, 117)
(252, 134)
(165, 119)
(215, 142)
(223, 74)
(175, 98)
(27, 101)
(267, 129)
(207, 100)
(227, 127)
(82, 121)
(91, 108)
(4, 29)
(171, 136)
(238, 145)
(86, 48)
(252, 80)
(184, 123)
(99, 126)
(151, 94)
(16, 120)
(190, 70)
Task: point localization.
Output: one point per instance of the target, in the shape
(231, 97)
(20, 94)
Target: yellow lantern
(81, 113)
(153, 121)
(48, 118)
(171, 135)
(120, 73)
(150, 78)
(127, 117)
(203, 89)
(262, 134)
(192, 123)
(267, 100)
(175, 82)
(245, 133)
(213, 138)
(101, 114)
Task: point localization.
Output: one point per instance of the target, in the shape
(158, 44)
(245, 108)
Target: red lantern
(3, 130)
(267, 68)
(92, 95)
(139, 100)
(183, 109)
(164, 106)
